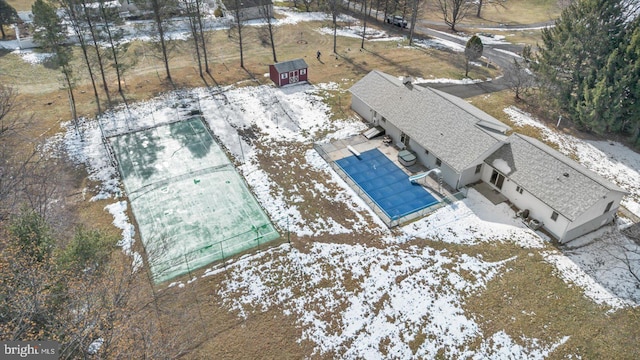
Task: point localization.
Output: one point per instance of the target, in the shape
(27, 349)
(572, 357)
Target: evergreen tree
(8, 16)
(472, 52)
(575, 67)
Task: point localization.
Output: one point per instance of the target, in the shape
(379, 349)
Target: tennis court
(190, 204)
(386, 184)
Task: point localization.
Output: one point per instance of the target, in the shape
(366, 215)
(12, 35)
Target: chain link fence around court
(256, 238)
(191, 205)
(387, 220)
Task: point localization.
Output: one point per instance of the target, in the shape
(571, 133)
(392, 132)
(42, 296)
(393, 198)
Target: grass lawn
(21, 5)
(512, 12)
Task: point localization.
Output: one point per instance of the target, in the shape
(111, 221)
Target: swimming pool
(386, 184)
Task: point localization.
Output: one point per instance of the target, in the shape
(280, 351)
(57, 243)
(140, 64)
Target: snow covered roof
(566, 186)
(447, 126)
(290, 65)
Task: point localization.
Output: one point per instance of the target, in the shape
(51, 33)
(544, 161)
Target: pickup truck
(396, 20)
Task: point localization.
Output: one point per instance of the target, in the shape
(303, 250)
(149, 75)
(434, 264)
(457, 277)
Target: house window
(554, 216)
(497, 179)
(303, 71)
(438, 162)
(519, 189)
(284, 75)
(478, 168)
(608, 208)
(383, 119)
(404, 138)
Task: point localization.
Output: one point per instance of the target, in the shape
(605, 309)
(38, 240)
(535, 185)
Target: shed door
(294, 76)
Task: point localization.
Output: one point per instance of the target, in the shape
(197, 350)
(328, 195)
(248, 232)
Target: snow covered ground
(375, 294)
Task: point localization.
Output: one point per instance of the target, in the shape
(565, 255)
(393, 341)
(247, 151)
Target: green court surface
(191, 206)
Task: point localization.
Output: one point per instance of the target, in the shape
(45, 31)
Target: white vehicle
(396, 20)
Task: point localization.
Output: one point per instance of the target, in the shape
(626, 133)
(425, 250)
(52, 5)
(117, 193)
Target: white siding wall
(562, 228)
(361, 108)
(469, 176)
(449, 175)
(594, 217)
(537, 209)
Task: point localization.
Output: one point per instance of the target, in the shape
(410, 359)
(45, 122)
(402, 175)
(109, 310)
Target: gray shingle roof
(566, 186)
(290, 65)
(438, 122)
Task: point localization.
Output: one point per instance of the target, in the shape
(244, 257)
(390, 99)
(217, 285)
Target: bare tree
(191, 10)
(518, 76)
(90, 18)
(73, 17)
(8, 102)
(334, 7)
(453, 11)
(13, 165)
(628, 252)
(267, 31)
(238, 24)
(364, 22)
(113, 34)
(161, 11)
(416, 7)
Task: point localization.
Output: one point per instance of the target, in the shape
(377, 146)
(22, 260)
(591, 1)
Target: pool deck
(337, 150)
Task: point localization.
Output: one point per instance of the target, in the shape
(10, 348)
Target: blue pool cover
(386, 184)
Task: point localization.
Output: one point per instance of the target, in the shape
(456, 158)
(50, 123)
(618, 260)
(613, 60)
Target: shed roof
(290, 65)
(448, 126)
(566, 186)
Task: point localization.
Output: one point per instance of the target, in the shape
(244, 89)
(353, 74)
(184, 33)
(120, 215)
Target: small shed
(288, 72)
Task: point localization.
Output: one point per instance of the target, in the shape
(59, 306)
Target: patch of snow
(471, 221)
(32, 57)
(372, 34)
(95, 346)
(398, 294)
(440, 44)
(502, 166)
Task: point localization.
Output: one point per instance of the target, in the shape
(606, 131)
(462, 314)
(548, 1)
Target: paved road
(500, 55)
(502, 59)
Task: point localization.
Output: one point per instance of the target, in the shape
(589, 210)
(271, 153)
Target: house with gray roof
(443, 130)
(565, 197)
(469, 145)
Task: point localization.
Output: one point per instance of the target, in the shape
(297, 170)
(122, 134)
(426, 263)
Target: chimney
(406, 80)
